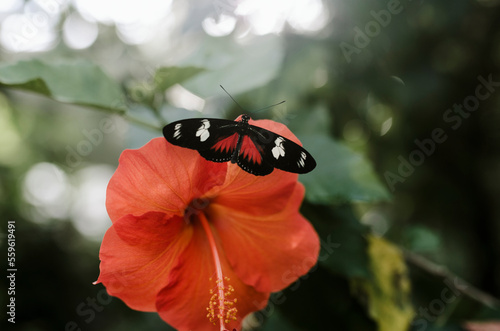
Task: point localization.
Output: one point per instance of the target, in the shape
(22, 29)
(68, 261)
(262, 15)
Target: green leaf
(319, 300)
(341, 174)
(81, 83)
(388, 292)
(165, 77)
(313, 120)
(342, 237)
(238, 66)
(278, 322)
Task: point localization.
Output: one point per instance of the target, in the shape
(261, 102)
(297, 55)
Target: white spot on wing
(302, 161)
(278, 150)
(177, 132)
(203, 132)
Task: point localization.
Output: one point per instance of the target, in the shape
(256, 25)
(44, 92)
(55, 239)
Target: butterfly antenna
(279, 103)
(233, 99)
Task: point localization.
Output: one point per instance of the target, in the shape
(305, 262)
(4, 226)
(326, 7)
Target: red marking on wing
(226, 144)
(251, 151)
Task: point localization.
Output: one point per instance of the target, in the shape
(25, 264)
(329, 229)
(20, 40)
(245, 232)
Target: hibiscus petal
(160, 177)
(183, 302)
(255, 195)
(138, 253)
(268, 252)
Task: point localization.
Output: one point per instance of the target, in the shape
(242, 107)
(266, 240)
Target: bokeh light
(222, 26)
(32, 29)
(33, 26)
(270, 16)
(46, 187)
(10, 5)
(136, 21)
(182, 98)
(88, 212)
(78, 33)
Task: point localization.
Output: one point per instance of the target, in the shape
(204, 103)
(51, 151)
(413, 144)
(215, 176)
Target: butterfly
(256, 150)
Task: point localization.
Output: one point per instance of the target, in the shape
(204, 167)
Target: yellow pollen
(220, 307)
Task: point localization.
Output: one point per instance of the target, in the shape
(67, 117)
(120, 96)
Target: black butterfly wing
(251, 157)
(214, 139)
(280, 152)
(259, 152)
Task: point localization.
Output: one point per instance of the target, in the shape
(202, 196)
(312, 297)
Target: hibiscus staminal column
(219, 299)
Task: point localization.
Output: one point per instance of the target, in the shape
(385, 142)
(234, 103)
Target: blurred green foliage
(78, 83)
(364, 94)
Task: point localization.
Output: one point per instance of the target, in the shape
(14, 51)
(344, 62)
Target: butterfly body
(256, 150)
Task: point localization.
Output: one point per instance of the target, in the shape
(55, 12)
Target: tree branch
(441, 271)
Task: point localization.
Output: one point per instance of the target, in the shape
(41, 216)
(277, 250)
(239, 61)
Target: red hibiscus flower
(202, 243)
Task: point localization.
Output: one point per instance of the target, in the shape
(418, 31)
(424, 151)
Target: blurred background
(398, 101)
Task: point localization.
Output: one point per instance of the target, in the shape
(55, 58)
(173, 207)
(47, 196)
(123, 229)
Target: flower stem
(441, 271)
